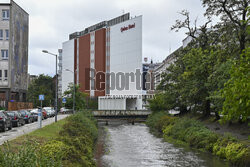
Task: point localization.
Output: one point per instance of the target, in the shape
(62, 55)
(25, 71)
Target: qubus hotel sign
(125, 28)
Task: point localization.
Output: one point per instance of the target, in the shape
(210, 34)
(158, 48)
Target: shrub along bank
(193, 133)
(68, 143)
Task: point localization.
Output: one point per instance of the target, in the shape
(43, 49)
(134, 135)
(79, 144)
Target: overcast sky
(51, 22)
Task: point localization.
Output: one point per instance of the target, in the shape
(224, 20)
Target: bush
(154, 121)
(29, 155)
(73, 147)
(191, 132)
(55, 149)
(80, 124)
(79, 134)
(195, 134)
(228, 147)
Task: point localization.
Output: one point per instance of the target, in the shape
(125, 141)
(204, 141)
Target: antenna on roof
(123, 11)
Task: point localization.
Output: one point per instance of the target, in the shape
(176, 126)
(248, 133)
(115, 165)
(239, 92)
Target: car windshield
(23, 112)
(11, 113)
(17, 113)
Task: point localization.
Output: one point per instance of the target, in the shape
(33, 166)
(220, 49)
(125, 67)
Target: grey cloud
(52, 21)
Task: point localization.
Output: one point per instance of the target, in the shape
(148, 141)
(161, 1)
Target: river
(129, 145)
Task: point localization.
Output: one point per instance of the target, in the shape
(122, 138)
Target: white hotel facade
(110, 48)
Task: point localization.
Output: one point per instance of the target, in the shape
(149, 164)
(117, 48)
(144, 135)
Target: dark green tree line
(210, 69)
(45, 85)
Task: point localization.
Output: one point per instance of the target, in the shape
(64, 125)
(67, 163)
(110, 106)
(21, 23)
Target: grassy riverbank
(68, 142)
(191, 132)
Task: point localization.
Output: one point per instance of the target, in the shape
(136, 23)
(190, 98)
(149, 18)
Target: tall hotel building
(102, 51)
(14, 39)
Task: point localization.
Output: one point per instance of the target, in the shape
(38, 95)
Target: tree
(173, 86)
(207, 59)
(216, 81)
(80, 97)
(42, 85)
(196, 80)
(237, 90)
(200, 34)
(234, 12)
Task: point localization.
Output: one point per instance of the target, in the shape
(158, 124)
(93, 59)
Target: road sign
(41, 97)
(64, 100)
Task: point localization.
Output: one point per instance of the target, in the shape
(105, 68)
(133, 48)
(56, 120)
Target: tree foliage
(80, 98)
(237, 90)
(45, 85)
(209, 75)
(234, 12)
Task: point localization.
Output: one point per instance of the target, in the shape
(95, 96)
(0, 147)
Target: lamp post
(45, 51)
(74, 87)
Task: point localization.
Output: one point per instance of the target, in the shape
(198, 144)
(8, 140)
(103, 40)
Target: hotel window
(5, 14)
(5, 75)
(92, 37)
(92, 56)
(7, 34)
(5, 54)
(92, 47)
(0, 75)
(1, 34)
(92, 84)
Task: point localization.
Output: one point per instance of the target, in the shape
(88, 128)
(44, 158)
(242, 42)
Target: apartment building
(14, 28)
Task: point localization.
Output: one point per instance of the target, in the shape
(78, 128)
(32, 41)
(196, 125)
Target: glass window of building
(5, 14)
(5, 54)
(7, 34)
(6, 74)
(1, 34)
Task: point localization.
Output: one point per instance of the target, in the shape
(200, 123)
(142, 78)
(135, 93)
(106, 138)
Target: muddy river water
(129, 145)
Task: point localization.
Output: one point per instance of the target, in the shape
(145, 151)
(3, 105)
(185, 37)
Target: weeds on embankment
(69, 142)
(193, 133)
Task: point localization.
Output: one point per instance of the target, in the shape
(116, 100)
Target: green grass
(42, 135)
(69, 142)
(50, 131)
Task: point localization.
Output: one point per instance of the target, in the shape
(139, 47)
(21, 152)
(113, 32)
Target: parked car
(45, 115)
(35, 112)
(27, 116)
(5, 121)
(63, 110)
(50, 111)
(53, 112)
(34, 115)
(16, 118)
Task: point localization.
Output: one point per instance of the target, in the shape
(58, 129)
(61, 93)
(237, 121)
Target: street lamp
(45, 51)
(74, 87)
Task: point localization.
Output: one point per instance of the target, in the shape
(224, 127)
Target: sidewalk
(27, 128)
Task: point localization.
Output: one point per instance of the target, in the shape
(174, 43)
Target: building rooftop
(11, 2)
(100, 25)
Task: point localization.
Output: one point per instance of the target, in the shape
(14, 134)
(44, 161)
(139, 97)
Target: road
(27, 128)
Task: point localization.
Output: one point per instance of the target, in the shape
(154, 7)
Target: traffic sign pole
(40, 116)
(41, 98)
